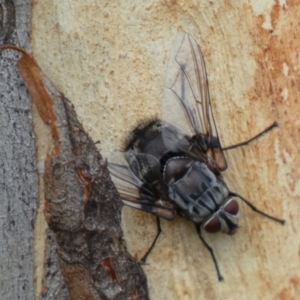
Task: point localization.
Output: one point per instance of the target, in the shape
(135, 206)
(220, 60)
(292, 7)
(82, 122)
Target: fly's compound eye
(213, 225)
(232, 207)
(224, 220)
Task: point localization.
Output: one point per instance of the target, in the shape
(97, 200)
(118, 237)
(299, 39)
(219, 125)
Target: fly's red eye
(213, 225)
(232, 207)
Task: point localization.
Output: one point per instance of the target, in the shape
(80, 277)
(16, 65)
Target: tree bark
(87, 253)
(19, 180)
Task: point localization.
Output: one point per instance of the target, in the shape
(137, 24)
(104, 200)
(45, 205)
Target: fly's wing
(135, 191)
(144, 166)
(186, 104)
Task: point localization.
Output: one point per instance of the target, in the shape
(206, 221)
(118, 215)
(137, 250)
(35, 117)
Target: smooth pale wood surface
(110, 58)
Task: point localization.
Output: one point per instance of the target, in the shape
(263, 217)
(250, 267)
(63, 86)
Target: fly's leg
(143, 260)
(252, 139)
(282, 222)
(220, 277)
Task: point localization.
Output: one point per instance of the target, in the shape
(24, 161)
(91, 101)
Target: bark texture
(84, 255)
(18, 180)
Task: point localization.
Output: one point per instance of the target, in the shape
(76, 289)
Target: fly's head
(225, 219)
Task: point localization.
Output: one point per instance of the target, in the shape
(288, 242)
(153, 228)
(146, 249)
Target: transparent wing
(134, 191)
(127, 184)
(186, 102)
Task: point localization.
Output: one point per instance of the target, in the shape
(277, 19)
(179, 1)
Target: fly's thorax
(197, 191)
(147, 138)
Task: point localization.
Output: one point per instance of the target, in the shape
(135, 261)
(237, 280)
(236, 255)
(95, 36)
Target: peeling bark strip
(80, 202)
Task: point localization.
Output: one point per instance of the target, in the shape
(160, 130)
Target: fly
(173, 166)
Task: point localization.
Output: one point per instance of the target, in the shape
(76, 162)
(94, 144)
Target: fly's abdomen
(198, 192)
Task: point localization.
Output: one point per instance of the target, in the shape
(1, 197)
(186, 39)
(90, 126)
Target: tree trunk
(110, 58)
(19, 180)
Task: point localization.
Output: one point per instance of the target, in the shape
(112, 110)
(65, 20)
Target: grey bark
(18, 180)
(84, 211)
(53, 281)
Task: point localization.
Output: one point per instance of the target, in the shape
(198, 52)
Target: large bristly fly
(173, 166)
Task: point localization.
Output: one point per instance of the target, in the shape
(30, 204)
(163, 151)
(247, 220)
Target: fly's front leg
(282, 222)
(220, 277)
(252, 139)
(143, 260)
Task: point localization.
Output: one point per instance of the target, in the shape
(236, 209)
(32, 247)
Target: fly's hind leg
(211, 251)
(143, 260)
(252, 139)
